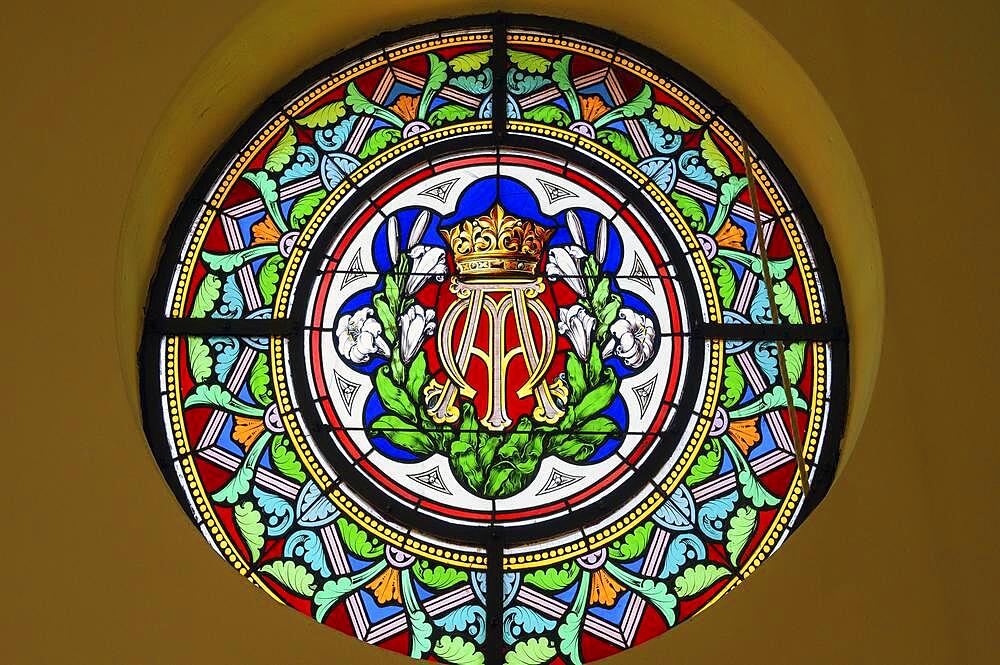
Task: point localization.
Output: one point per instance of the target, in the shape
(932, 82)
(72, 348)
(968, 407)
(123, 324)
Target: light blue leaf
(677, 513)
(335, 167)
(713, 514)
(662, 141)
(335, 138)
(227, 350)
(468, 619)
(303, 164)
(682, 549)
(692, 167)
(306, 545)
(661, 170)
(520, 620)
(314, 509)
(278, 512)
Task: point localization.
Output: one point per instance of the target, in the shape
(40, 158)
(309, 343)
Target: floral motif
(564, 262)
(359, 336)
(427, 262)
(415, 326)
(578, 326)
(634, 337)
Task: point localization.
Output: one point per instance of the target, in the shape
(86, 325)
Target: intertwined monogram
(498, 300)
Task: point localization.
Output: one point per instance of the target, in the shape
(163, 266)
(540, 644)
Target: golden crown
(497, 244)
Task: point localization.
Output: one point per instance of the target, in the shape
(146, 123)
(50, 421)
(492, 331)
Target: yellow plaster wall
(898, 565)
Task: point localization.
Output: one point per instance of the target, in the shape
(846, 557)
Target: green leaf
(673, 120)
(469, 62)
(358, 541)
(714, 157)
(380, 138)
(251, 528)
(534, 651)
(361, 104)
(393, 397)
(725, 281)
(268, 190)
(333, 590)
(449, 113)
(697, 578)
(199, 359)
(420, 627)
(795, 360)
(438, 577)
(304, 207)
(734, 383)
(594, 365)
(618, 142)
(403, 434)
(285, 460)
(270, 275)
(528, 62)
(574, 376)
(635, 106)
(323, 116)
(455, 650)
(690, 210)
(741, 528)
(553, 579)
(206, 296)
(548, 114)
(260, 380)
(416, 376)
(569, 631)
(599, 398)
(564, 81)
(293, 576)
(788, 304)
(216, 396)
(655, 591)
(750, 484)
(633, 544)
(281, 153)
(706, 464)
(631, 109)
(437, 74)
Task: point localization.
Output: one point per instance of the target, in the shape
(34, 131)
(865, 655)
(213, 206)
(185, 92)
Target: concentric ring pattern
(479, 342)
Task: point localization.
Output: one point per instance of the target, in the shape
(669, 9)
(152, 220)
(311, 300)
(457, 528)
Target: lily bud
(419, 228)
(575, 228)
(601, 244)
(392, 234)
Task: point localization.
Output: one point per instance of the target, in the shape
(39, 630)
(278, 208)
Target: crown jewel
(497, 243)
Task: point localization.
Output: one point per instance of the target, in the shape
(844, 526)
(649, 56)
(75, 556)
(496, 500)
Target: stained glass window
(497, 340)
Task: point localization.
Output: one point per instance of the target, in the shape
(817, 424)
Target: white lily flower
(564, 261)
(359, 336)
(634, 337)
(428, 262)
(578, 326)
(415, 325)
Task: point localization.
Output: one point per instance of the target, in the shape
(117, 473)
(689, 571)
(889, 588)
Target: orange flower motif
(730, 235)
(247, 430)
(406, 107)
(386, 586)
(604, 589)
(745, 434)
(265, 232)
(592, 108)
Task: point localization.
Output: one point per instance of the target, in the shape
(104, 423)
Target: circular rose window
(500, 340)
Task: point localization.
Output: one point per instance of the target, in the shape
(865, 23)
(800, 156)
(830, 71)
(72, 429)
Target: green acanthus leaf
(324, 115)
(282, 152)
(293, 576)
